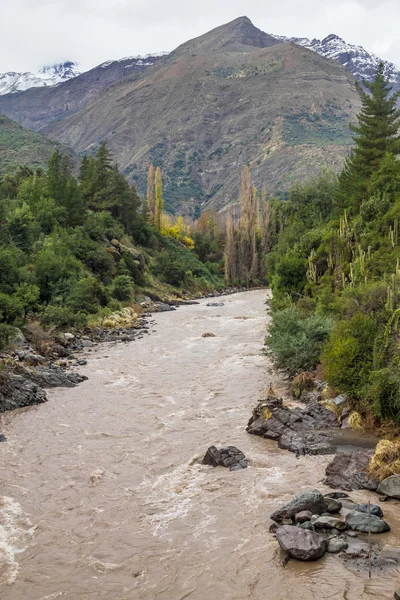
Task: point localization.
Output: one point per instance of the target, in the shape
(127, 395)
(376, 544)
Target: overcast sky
(41, 32)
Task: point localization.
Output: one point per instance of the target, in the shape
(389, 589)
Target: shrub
(383, 393)
(348, 355)
(61, 316)
(290, 275)
(296, 342)
(7, 332)
(122, 287)
(86, 295)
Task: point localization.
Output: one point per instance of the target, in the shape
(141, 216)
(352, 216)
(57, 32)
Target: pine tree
(375, 135)
(158, 199)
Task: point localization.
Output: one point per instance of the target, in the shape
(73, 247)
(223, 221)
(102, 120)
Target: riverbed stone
(336, 495)
(301, 544)
(311, 500)
(332, 505)
(330, 523)
(303, 516)
(390, 487)
(390, 552)
(348, 471)
(230, 457)
(375, 509)
(358, 521)
(336, 545)
(215, 304)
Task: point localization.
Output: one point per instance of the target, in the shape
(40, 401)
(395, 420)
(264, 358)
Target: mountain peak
(239, 35)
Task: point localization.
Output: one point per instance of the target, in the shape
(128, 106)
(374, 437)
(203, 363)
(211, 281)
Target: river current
(103, 497)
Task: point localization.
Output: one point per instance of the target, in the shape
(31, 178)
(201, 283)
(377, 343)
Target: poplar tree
(375, 135)
(150, 197)
(230, 251)
(159, 203)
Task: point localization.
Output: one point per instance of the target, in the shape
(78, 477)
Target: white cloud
(38, 32)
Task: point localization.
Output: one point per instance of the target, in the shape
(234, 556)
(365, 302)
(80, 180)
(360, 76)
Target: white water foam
(16, 533)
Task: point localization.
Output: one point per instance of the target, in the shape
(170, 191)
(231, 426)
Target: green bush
(122, 287)
(86, 295)
(61, 316)
(348, 354)
(296, 342)
(290, 276)
(383, 393)
(7, 332)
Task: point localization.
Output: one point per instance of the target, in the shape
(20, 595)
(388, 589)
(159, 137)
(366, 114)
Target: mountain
(47, 76)
(356, 59)
(231, 97)
(38, 106)
(19, 146)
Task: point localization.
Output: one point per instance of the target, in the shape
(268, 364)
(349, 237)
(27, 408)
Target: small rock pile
(312, 524)
(230, 457)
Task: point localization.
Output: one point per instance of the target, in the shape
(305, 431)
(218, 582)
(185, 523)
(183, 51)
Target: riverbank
(106, 494)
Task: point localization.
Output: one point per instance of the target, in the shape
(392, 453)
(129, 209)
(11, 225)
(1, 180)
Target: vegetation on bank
(71, 248)
(335, 269)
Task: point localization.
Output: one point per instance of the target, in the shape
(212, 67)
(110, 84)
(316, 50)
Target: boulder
(329, 523)
(16, 392)
(336, 545)
(60, 350)
(162, 307)
(299, 430)
(69, 337)
(2, 438)
(340, 400)
(375, 509)
(311, 500)
(348, 471)
(87, 343)
(303, 516)
(358, 521)
(215, 304)
(332, 505)
(230, 457)
(390, 487)
(301, 544)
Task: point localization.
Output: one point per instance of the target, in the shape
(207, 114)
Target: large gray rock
(358, 521)
(229, 457)
(390, 552)
(299, 430)
(301, 544)
(390, 486)
(16, 392)
(348, 471)
(374, 508)
(311, 500)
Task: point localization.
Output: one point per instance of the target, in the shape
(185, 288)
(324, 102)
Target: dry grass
(42, 340)
(356, 421)
(386, 460)
(301, 383)
(266, 413)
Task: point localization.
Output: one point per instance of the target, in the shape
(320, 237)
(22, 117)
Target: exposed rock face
(16, 391)
(348, 471)
(390, 486)
(311, 500)
(358, 521)
(301, 543)
(301, 430)
(229, 457)
(51, 377)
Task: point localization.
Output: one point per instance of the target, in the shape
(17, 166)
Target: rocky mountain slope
(37, 107)
(356, 59)
(47, 76)
(231, 97)
(19, 146)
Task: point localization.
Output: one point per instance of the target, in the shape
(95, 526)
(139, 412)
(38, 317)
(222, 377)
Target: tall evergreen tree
(375, 135)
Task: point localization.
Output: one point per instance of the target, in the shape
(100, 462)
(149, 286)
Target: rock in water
(230, 457)
(301, 543)
(390, 486)
(332, 505)
(348, 471)
(215, 304)
(375, 509)
(311, 500)
(329, 523)
(358, 521)
(336, 495)
(336, 545)
(2, 438)
(16, 392)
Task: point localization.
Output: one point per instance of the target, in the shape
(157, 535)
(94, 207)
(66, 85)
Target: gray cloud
(38, 32)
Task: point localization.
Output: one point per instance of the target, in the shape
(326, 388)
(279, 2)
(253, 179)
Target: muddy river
(102, 493)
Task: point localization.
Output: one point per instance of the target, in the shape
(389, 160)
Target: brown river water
(103, 496)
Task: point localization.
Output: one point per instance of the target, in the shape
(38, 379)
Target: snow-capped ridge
(12, 82)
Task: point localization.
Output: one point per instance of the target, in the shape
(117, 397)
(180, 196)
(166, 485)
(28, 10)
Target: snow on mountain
(50, 75)
(141, 61)
(359, 62)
